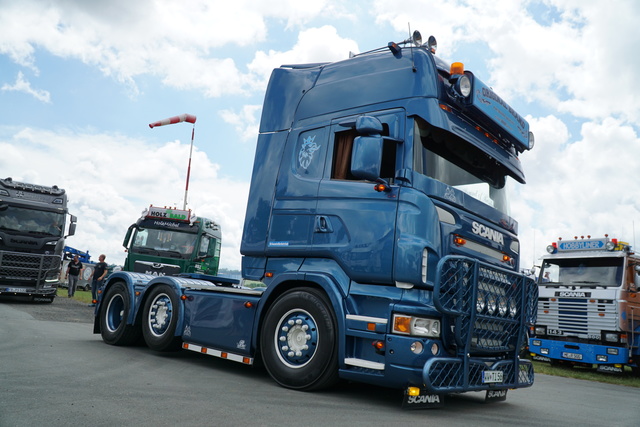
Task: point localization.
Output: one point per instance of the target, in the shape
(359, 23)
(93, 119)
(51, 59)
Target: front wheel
(114, 312)
(160, 318)
(298, 340)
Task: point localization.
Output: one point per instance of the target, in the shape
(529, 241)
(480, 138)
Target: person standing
(99, 273)
(74, 268)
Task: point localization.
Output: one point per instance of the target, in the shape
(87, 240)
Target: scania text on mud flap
(377, 244)
(32, 226)
(589, 306)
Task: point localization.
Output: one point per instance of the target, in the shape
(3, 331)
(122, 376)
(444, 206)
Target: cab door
(355, 224)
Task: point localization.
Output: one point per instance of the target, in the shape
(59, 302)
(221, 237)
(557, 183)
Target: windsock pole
(186, 187)
(189, 118)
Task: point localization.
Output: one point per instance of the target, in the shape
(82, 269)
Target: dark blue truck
(377, 232)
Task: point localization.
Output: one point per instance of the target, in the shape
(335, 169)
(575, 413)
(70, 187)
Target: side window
(204, 246)
(343, 144)
(342, 147)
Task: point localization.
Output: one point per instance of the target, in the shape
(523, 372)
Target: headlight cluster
(490, 303)
(416, 326)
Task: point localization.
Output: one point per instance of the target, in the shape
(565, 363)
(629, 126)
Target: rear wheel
(114, 311)
(298, 340)
(160, 318)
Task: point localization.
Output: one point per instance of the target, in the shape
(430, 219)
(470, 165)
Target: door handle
(323, 224)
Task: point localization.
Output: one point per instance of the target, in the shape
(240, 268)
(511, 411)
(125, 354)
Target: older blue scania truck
(378, 229)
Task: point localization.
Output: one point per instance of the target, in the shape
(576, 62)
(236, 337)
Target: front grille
(481, 338)
(580, 317)
(468, 290)
(20, 266)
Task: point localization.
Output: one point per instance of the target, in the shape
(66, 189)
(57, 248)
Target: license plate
(573, 356)
(489, 377)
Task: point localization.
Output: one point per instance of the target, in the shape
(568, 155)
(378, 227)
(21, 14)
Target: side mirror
(366, 155)
(72, 225)
(127, 236)
(636, 278)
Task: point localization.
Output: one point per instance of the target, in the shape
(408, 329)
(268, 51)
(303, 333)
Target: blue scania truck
(378, 229)
(589, 305)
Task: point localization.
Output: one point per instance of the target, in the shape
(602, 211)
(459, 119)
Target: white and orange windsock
(189, 118)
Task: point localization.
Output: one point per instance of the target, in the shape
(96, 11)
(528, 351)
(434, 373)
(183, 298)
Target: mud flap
(495, 396)
(424, 400)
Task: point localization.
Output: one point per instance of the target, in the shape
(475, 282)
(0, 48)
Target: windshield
(31, 221)
(583, 272)
(173, 243)
(454, 162)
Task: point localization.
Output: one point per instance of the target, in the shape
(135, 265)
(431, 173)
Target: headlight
(463, 85)
(532, 140)
(416, 326)
(602, 358)
(541, 330)
(480, 302)
(502, 306)
(492, 304)
(513, 307)
(611, 337)
(610, 246)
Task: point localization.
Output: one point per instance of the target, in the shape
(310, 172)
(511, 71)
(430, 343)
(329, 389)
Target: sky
(80, 82)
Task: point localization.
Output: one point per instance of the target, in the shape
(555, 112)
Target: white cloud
(246, 122)
(568, 64)
(110, 179)
(582, 187)
(23, 85)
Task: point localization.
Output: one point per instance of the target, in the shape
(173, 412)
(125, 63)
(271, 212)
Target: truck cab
(168, 241)
(378, 231)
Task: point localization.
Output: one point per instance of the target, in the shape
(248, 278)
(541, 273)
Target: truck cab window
(343, 145)
(204, 246)
(460, 165)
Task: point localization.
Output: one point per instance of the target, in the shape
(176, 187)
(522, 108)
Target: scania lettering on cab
(377, 223)
(168, 241)
(32, 226)
(589, 306)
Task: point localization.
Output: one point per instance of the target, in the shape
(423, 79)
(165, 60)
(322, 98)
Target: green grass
(567, 371)
(82, 296)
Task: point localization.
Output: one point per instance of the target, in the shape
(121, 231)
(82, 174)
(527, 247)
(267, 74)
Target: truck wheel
(114, 311)
(298, 340)
(159, 319)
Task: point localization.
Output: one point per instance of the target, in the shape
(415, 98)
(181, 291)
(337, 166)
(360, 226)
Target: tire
(114, 310)
(298, 340)
(159, 319)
